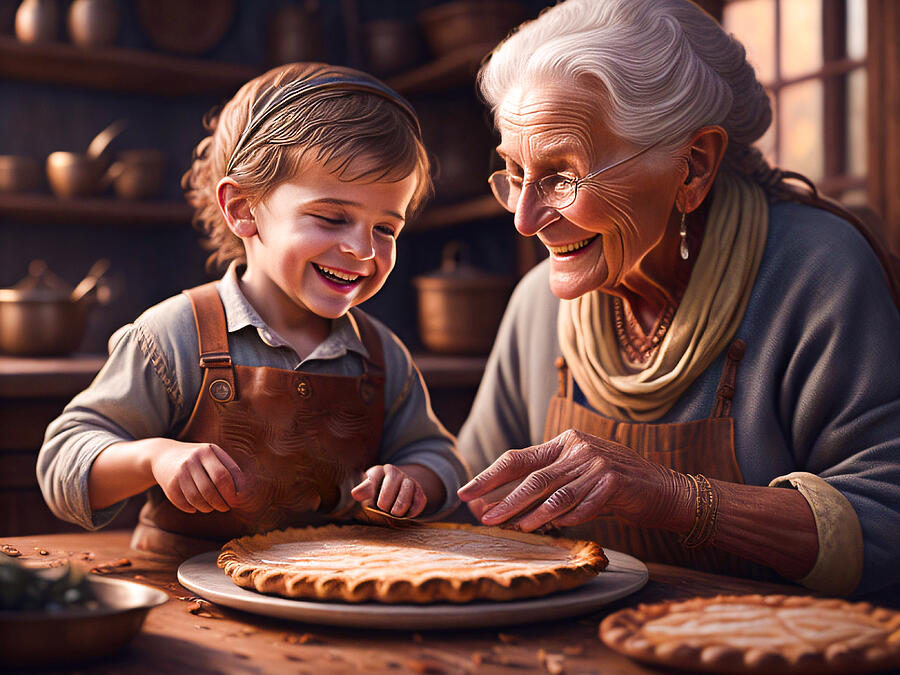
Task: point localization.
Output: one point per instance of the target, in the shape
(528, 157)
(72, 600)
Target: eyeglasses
(556, 191)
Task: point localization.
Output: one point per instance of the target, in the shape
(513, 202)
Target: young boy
(263, 401)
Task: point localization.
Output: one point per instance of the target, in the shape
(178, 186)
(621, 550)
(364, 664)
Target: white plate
(623, 576)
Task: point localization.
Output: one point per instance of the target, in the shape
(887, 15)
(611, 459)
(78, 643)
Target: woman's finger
(561, 501)
(511, 465)
(533, 490)
(591, 506)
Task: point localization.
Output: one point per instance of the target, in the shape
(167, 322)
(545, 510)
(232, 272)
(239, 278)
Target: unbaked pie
(422, 563)
(758, 634)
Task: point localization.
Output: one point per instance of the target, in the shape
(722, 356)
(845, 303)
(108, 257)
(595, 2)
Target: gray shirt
(817, 391)
(148, 386)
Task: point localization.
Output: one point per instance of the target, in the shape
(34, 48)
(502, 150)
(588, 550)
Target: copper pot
(138, 174)
(43, 316)
(460, 306)
(18, 173)
(93, 23)
(454, 25)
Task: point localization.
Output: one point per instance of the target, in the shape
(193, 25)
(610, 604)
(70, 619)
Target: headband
(278, 98)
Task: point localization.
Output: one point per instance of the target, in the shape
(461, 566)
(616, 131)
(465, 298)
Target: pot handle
(89, 283)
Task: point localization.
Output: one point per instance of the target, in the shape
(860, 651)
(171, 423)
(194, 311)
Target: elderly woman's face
(602, 240)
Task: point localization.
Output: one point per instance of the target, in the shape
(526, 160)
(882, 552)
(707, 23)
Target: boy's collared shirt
(149, 385)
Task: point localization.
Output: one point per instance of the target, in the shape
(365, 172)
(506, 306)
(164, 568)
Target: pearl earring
(685, 254)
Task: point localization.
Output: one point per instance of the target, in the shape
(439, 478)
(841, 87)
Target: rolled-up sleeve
(127, 400)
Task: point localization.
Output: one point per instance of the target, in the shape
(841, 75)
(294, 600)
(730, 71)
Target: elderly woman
(706, 370)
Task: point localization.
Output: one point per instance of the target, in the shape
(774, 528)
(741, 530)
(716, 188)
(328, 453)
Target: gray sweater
(817, 391)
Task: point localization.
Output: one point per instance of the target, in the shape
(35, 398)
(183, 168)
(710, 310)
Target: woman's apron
(702, 446)
(304, 439)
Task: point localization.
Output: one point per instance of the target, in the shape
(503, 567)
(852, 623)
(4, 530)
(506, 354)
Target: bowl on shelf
(391, 46)
(19, 173)
(460, 306)
(138, 174)
(460, 23)
(75, 174)
(185, 26)
(93, 23)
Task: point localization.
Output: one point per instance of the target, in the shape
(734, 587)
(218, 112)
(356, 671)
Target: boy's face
(324, 245)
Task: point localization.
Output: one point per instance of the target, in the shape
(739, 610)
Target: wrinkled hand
(572, 479)
(199, 477)
(391, 490)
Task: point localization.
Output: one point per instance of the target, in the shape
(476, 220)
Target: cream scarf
(704, 323)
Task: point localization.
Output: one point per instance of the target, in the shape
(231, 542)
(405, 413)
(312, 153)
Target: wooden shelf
(37, 208)
(456, 69)
(119, 69)
(65, 376)
(446, 215)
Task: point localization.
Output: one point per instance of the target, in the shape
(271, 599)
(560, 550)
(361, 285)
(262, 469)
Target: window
(811, 57)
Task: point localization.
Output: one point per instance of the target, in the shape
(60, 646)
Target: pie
(420, 563)
(758, 634)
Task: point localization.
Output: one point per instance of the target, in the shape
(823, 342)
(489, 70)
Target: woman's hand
(574, 478)
(392, 490)
(198, 476)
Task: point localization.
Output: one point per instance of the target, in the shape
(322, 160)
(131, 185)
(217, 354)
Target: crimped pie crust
(424, 563)
(759, 634)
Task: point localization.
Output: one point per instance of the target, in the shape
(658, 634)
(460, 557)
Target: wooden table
(187, 635)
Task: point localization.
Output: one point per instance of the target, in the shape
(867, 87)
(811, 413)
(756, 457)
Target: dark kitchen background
(70, 68)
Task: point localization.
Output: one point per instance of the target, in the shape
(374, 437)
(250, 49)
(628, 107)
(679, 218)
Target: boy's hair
(361, 131)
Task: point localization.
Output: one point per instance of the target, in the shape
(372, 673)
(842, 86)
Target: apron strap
(368, 335)
(725, 390)
(212, 337)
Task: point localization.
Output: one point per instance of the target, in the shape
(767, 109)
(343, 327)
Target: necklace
(639, 349)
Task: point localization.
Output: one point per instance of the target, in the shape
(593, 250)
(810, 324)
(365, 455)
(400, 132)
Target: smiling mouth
(571, 248)
(337, 276)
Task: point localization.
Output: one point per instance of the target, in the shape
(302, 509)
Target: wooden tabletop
(189, 635)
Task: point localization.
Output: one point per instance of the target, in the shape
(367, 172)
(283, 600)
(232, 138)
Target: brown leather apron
(702, 446)
(303, 437)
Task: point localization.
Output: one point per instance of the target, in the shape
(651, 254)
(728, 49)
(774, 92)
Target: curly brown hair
(355, 134)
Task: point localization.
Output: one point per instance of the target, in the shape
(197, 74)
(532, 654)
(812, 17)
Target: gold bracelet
(703, 530)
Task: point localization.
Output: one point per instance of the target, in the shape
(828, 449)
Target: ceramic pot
(43, 316)
(453, 25)
(460, 306)
(138, 174)
(293, 34)
(37, 21)
(18, 174)
(73, 174)
(391, 46)
(94, 23)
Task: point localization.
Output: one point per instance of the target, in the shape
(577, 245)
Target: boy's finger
(420, 501)
(404, 497)
(235, 475)
(365, 490)
(390, 487)
(192, 494)
(206, 485)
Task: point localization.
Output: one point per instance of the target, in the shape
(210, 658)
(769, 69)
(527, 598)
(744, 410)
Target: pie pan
(68, 636)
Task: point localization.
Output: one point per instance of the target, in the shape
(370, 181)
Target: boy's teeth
(568, 248)
(343, 276)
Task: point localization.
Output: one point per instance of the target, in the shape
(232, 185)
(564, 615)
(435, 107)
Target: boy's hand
(392, 490)
(198, 477)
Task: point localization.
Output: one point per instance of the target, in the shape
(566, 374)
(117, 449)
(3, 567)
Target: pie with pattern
(422, 563)
(758, 634)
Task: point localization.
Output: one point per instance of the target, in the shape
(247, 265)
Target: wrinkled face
(326, 244)
(603, 239)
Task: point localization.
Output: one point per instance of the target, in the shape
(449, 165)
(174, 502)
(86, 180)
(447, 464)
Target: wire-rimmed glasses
(556, 191)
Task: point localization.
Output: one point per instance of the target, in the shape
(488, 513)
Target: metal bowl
(39, 639)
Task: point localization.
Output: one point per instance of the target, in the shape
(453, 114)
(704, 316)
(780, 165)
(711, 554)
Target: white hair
(666, 69)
